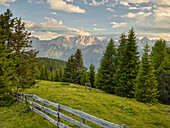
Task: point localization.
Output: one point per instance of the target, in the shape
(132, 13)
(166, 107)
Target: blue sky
(48, 19)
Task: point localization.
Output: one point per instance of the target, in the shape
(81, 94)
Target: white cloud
(62, 5)
(54, 13)
(40, 2)
(146, 8)
(133, 8)
(51, 28)
(155, 36)
(141, 8)
(51, 23)
(110, 9)
(45, 35)
(78, 32)
(37, 2)
(137, 1)
(70, 0)
(101, 38)
(99, 29)
(5, 2)
(28, 24)
(116, 25)
(163, 2)
(95, 3)
(124, 3)
(29, 1)
(82, 32)
(139, 15)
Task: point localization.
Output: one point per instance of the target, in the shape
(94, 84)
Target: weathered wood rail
(21, 97)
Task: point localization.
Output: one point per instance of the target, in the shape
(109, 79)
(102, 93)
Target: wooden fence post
(59, 110)
(83, 120)
(90, 87)
(26, 100)
(123, 126)
(33, 100)
(44, 106)
(85, 86)
(17, 96)
(21, 98)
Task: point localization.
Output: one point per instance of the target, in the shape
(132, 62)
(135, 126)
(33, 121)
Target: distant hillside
(92, 48)
(52, 64)
(118, 110)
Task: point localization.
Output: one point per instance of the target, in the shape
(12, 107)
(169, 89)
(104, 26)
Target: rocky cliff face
(92, 48)
(63, 46)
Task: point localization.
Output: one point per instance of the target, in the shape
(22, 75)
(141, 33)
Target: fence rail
(21, 97)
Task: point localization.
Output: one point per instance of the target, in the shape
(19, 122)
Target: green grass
(118, 110)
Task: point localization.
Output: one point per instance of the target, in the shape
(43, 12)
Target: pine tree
(45, 72)
(160, 59)
(5, 73)
(121, 64)
(127, 72)
(70, 70)
(92, 75)
(79, 66)
(85, 78)
(146, 86)
(56, 76)
(61, 74)
(122, 46)
(164, 80)
(16, 39)
(105, 79)
(158, 53)
(52, 75)
(49, 75)
(42, 72)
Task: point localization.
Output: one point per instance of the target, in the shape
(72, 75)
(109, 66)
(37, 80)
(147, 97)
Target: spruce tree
(92, 75)
(79, 66)
(85, 78)
(128, 67)
(61, 74)
(42, 72)
(70, 70)
(146, 89)
(16, 39)
(160, 59)
(105, 79)
(6, 69)
(45, 72)
(164, 80)
(121, 64)
(52, 75)
(56, 76)
(122, 45)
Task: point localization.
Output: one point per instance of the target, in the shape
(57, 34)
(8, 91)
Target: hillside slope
(112, 108)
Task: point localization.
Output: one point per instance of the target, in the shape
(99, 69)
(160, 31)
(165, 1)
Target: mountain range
(92, 48)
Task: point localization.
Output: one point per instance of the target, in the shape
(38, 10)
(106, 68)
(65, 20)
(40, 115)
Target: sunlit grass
(118, 110)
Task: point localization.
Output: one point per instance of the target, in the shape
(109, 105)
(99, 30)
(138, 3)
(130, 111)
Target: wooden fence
(21, 97)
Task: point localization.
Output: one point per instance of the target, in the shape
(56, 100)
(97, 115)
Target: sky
(47, 19)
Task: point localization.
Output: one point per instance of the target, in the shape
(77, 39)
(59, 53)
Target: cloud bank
(63, 6)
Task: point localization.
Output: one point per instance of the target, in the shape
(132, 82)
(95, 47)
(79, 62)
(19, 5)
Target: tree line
(122, 73)
(50, 69)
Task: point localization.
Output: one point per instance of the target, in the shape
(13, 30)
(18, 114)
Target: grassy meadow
(118, 110)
